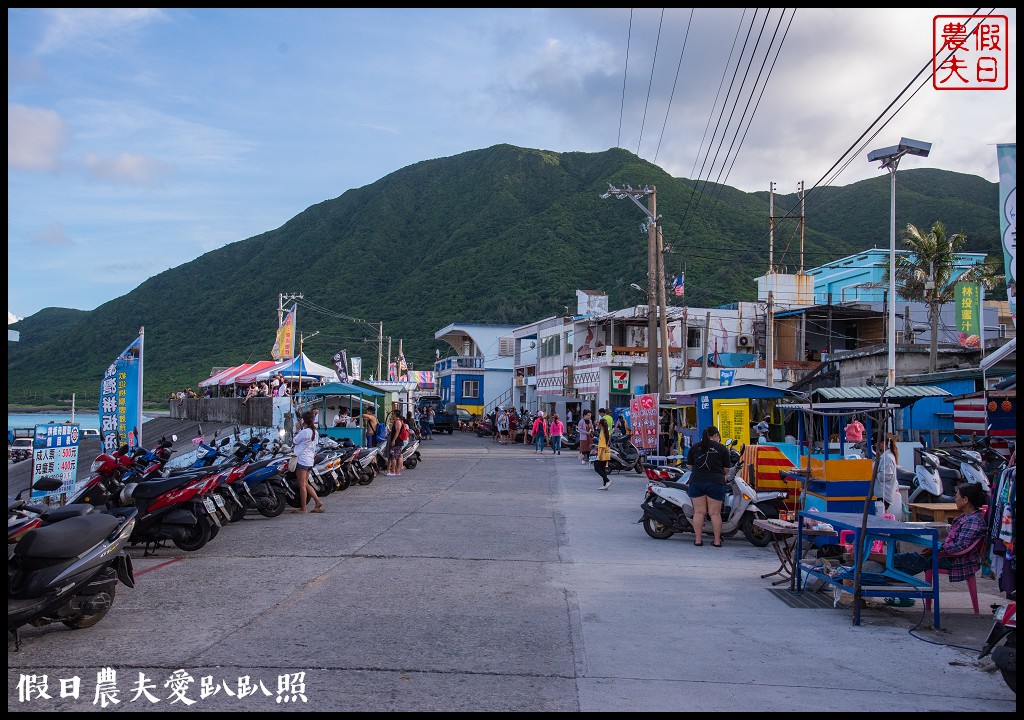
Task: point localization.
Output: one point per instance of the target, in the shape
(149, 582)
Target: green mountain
(500, 235)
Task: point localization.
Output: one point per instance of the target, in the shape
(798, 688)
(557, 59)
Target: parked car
(20, 449)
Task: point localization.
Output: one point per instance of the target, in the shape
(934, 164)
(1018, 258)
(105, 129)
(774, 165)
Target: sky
(139, 139)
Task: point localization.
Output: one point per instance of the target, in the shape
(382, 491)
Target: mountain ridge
(503, 234)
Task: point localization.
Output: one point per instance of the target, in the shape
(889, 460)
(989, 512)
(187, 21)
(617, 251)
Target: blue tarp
(338, 388)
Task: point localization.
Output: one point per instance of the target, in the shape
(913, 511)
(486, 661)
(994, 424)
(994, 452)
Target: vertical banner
(55, 454)
(284, 345)
(644, 419)
(968, 313)
(1007, 155)
(726, 377)
(121, 399)
(340, 361)
(357, 368)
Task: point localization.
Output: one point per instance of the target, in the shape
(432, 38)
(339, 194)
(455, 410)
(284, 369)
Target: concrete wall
(257, 412)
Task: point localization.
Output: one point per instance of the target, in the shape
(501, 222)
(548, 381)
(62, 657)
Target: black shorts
(700, 488)
(300, 466)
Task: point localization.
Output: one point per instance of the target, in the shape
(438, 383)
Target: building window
(693, 337)
(550, 346)
(568, 342)
(470, 389)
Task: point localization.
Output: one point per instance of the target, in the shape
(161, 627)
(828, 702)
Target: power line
(625, 72)
(675, 80)
(650, 84)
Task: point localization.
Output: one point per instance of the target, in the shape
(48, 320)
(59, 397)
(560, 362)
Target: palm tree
(929, 273)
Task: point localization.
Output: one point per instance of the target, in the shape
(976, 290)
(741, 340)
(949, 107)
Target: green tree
(929, 274)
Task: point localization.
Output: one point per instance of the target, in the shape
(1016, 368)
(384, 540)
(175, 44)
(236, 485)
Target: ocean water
(30, 420)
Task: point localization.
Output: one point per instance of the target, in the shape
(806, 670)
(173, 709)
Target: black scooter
(68, 572)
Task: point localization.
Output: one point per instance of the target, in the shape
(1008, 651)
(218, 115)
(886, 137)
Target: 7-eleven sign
(620, 380)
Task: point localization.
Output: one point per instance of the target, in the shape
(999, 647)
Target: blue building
(479, 375)
(863, 277)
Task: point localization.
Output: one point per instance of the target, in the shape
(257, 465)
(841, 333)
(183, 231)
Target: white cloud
(93, 26)
(36, 138)
(128, 169)
(53, 235)
(12, 318)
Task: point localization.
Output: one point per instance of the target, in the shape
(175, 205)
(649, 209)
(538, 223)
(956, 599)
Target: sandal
(698, 544)
(318, 509)
(299, 510)
(715, 544)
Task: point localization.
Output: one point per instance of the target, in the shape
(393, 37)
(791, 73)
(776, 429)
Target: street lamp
(889, 157)
(637, 288)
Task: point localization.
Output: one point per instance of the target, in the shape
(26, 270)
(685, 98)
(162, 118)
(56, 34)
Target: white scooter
(668, 509)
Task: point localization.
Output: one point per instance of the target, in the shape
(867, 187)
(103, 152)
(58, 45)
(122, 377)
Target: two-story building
(480, 372)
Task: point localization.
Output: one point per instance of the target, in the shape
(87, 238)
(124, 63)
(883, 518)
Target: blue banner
(121, 399)
(726, 377)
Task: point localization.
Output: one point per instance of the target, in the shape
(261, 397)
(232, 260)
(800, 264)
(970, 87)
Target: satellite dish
(533, 344)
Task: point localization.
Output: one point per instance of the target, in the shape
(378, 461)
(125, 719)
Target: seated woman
(964, 531)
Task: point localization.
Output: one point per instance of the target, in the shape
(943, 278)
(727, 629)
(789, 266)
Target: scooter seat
(63, 512)
(68, 538)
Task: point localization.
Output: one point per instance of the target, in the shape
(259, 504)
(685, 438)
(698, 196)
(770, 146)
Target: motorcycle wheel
(656, 530)
(410, 464)
(343, 482)
(367, 478)
(87, 621)
(639, 466)
(214, 529)
(198, 535)
(757, 536)
(237, 511)
(276, 509)
(1009, 676)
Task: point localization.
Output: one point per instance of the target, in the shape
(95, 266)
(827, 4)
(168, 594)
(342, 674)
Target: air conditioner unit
(745, 341)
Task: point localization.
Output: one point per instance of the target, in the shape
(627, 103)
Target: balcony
(458, 362)
(626, 356)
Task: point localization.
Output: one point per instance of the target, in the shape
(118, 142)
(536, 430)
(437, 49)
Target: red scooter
(1002, 641)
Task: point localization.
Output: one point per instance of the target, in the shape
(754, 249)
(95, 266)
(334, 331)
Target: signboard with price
(55, 454)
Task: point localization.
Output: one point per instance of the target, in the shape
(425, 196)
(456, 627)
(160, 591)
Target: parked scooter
(624, 454)
(411, 453)
(668, 509)
(68, 572)
(24, 515)
(1002, 641)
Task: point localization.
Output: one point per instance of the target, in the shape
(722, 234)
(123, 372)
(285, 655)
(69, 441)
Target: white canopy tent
(297, 368)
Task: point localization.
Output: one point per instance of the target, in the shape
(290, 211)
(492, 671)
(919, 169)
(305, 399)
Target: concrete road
(491, 578)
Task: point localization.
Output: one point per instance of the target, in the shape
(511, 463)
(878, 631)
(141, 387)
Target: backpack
(381, 433)
(404, 435)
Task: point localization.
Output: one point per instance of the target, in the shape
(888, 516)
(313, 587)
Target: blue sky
(140, 139)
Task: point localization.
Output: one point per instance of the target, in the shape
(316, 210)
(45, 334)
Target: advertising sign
(968, 314)
(121, 399)
(1007, 156)
(620, 380)
(732, 418)
(55, 454)
(644, 420)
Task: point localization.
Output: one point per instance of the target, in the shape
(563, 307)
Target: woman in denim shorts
(709, 461)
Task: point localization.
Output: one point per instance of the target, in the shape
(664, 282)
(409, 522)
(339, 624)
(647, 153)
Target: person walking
(556, 430)
(604, 453)
(709, 461)
(540, 432)
(430, 422)
(396, 442)
(502, 425)
(586, 431)
(887, 485)
(425, 424)
(304, 446)
(513, 425)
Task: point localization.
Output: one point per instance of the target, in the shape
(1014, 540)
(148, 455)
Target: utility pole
(666, 386)
(801, 227)
(933, 318)
(770, 366)
(281, 298)
(771, 227)
(651, 226)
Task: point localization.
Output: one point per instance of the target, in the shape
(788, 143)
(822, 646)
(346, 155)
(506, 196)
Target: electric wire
(650, 84)
(625, 72)
(675, 80)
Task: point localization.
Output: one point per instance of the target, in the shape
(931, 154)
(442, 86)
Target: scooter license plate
(219, 500)
(210, 505)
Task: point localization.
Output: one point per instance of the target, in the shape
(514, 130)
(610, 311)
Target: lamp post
(890, 157)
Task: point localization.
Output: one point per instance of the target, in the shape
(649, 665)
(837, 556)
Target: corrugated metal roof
(873, 392)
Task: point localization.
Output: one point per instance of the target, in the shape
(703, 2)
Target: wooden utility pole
(771, 228)
(666, 385)
(770, 366)
(801, 227)
(652, 295)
